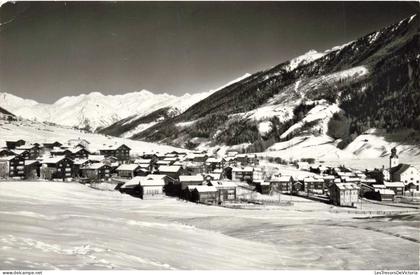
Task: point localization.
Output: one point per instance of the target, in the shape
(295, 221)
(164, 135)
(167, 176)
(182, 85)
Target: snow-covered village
(288, 159)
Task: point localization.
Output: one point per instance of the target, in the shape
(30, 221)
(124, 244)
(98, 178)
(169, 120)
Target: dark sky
(52, 49)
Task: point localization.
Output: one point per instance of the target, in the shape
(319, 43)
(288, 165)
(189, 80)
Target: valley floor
(46, 225)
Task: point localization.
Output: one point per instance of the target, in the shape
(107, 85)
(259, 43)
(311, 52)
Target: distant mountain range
(95, 110)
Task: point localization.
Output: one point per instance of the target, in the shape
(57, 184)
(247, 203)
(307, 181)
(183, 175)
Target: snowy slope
(42, 132)
(136, 124)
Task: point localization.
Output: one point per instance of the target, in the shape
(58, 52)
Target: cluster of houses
(197, 176)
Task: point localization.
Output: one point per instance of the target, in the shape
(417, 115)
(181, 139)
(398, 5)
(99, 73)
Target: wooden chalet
(12, 167)
(57, 168)
(33, 150)
(23, 153)
(121, 152)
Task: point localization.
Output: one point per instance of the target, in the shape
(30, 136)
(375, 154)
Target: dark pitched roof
(399, 169)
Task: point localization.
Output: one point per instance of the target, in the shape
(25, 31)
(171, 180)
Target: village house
(171, 171)
(58, 152)
(33, 150)
(186, 180)
(314, 185)
(204, 194)
(12, 167)
(407, 174)
(121, 152)
(78, 164)
(96, 171)
(23, 153)
(12, 144)
(344, 194)
(214, 163)
(397, 187)
(79, 152)
(242, 174)
(226, 190)
(282, 184)
(152, 188)
(130, 171)
(57, 168)
(144, 163)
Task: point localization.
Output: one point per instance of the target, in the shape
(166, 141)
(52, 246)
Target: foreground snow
(70, 226)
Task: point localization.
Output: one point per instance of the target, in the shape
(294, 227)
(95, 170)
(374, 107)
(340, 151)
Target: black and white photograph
(210, 135)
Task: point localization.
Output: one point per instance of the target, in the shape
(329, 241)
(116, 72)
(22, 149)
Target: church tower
(393, 159)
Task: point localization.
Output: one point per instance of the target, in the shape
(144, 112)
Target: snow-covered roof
(127, 167)
(221, 184)
(95, 166)
(32, 161)
(96, 157)
(386, 191)
(281, 179)
(185, 178)
(192, 187)
(142, 161)
(393, 184)
(310, 179)
(169, 168)
(132, 183)
(7, 158)
(80, 161)
(150, 181)
(53, 160)
(205, 188)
